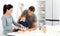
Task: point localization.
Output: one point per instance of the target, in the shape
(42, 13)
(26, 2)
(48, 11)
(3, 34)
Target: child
(22, 21)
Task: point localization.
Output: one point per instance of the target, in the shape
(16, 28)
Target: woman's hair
(7, 7)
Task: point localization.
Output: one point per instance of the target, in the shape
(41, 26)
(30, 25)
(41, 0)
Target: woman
(7, 19)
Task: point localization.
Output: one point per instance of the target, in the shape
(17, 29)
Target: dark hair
(32, 8)
(5, 7)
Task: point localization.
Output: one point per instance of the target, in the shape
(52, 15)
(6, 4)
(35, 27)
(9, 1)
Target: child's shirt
(24, 23)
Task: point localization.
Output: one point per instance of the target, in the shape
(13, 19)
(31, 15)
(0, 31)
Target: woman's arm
(16, 24)
(4, 22)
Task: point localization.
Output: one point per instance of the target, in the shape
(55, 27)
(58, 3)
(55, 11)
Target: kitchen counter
(50, 31)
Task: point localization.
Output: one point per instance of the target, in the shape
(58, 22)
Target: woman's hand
(14, 28)
(21, 26)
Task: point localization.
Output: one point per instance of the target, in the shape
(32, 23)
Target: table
(51, 31)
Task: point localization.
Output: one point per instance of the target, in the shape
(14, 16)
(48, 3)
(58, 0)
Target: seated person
(30, 18)
(23, 22)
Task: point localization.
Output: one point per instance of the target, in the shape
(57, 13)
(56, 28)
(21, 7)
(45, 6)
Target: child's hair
(22, 15)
